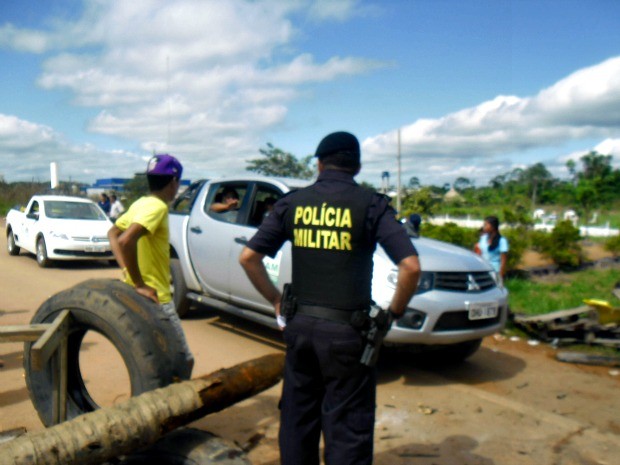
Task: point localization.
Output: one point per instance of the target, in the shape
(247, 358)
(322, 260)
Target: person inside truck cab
(226, 205)
(34, 210)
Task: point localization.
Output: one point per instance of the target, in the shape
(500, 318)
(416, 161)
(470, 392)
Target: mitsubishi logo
(472, 285)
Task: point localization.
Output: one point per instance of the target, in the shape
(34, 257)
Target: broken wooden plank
(588, 359)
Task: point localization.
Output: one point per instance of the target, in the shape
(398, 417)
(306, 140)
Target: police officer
(334, 226)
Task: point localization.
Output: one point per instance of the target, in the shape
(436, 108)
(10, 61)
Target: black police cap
(339, 142)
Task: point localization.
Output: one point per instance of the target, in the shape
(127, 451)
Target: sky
(474, 88)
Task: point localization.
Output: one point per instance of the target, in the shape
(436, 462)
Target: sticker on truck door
(273, 267)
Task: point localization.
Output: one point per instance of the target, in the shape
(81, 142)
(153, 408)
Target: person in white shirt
(116, 207)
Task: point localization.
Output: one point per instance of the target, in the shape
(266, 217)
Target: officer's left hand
(279, 318)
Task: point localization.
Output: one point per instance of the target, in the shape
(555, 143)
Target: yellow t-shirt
(153, 248)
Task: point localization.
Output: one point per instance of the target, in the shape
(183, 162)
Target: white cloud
(40, 145)
(204, 79)
(584, 105)
(192, 77)
(339, 10)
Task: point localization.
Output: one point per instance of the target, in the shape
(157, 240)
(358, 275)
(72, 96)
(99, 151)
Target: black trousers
(326, 389)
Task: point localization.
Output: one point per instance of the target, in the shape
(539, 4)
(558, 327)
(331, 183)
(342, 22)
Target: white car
(55, 227)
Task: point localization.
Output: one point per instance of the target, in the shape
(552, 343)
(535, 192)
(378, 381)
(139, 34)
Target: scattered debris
(252, 442)
(523, 385)
(576, 325)
(533, 342)
(426, 410)
(614, 372)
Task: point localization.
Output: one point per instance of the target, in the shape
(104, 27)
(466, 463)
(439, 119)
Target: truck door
(210, 237)
(27, 235)
(242, 291)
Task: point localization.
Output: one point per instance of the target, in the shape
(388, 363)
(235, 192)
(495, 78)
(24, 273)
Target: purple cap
(164, 165)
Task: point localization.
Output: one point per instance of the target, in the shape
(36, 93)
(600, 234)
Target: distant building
(452, 196)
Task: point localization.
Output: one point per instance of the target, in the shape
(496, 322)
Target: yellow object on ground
(607, 313)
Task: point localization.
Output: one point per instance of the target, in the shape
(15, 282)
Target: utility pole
(398, 193)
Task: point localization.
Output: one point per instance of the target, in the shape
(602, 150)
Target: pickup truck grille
(464, 282)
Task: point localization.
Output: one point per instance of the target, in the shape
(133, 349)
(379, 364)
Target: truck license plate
(482, 310)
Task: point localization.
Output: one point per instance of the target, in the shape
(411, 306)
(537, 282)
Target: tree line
(513, 196)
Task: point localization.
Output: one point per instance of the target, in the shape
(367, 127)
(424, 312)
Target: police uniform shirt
(380, 218)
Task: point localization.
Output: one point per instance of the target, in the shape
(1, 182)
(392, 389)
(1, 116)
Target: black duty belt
(326, 313)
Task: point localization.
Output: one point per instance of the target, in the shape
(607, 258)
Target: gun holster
(379, 321)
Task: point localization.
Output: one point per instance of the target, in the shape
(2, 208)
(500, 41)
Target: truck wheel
(179, 288)
(454, 353)
(134, 325)
(42, 259)
(189, 446)
(11, 247)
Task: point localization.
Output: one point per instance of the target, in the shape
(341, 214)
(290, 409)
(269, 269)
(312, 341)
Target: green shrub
(613, 245)
(539, 240)
(451, 233)
(518, 241)
(562, 246)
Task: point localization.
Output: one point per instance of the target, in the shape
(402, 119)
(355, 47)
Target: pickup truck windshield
(72, 211)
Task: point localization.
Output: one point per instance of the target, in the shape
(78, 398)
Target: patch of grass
(562, 291)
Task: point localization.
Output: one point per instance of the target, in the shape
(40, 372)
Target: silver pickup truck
(459, 300)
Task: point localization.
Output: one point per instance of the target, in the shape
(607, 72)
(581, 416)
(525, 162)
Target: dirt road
(511, 403)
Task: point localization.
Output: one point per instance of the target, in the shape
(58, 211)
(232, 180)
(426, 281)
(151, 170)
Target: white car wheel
(42, 258)
(12, 248)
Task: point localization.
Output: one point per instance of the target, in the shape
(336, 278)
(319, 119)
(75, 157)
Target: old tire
(179, 288)
(42, 259)
(11, 247)
(189, 446)
(134, 325)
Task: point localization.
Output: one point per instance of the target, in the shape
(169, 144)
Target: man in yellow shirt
(139, 240)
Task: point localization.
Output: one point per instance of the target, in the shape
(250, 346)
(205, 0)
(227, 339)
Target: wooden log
(110, 432)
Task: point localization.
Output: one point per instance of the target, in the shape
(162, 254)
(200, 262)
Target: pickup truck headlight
(392, 278)
(426, 282)
(59, 235)
(497, 278)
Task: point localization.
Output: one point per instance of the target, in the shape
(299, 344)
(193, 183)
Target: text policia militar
(335, 218)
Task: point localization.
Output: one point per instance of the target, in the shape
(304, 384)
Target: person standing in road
(492, 246)
(140, 241)
(104, 203)
(116, 207)
(334, 226)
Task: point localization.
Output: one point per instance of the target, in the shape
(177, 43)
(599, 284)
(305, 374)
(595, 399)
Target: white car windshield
(73, 211)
